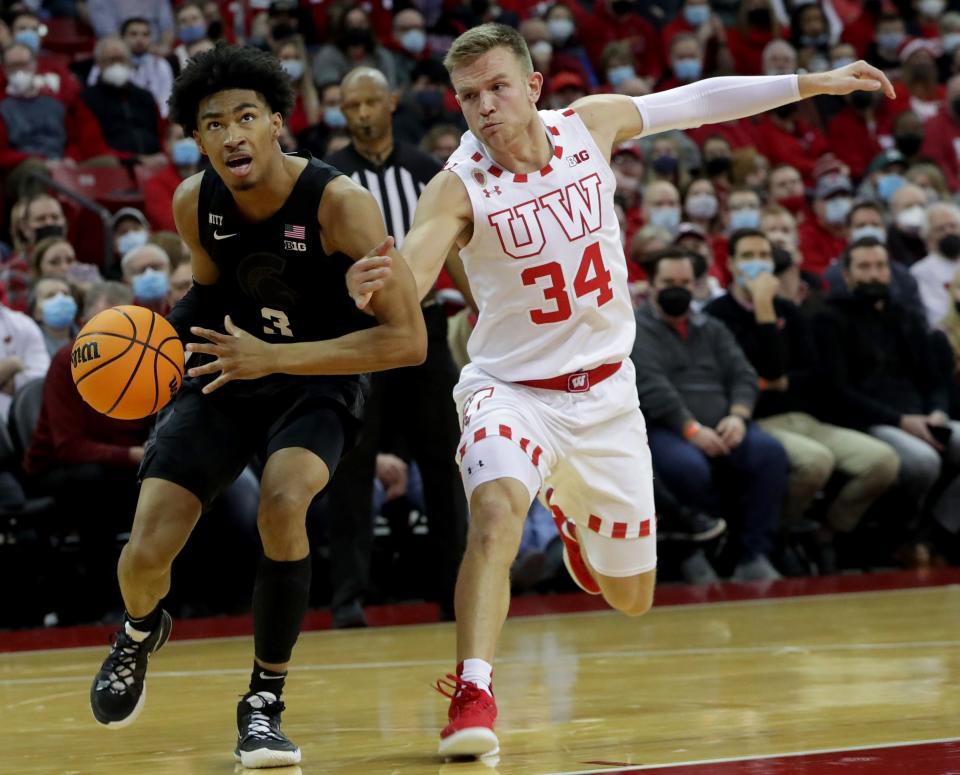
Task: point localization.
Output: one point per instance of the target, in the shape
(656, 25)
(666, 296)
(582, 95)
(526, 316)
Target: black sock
(146, 623)
(280, 596)
(263, 680)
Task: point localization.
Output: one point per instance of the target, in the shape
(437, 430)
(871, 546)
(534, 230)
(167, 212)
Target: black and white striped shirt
(396, 184)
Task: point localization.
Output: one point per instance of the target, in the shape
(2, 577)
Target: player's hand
(709, 442)
(732, 429)
(239, 355)
(857, 76)
(367, 275)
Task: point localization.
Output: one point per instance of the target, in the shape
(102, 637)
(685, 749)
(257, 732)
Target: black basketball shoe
(119, 689)
(260, 743)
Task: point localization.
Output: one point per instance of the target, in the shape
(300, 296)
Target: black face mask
(718, 165)
(282, 30)
(909, 143)
(949, 246)
(357, 36)
(665, 165)
(759, 17)
(674, 301)
(872, 291)
(861, 100)
(50, 230)
(620, 7)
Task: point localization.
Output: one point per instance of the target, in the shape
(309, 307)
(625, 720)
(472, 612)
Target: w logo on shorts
(578, 383)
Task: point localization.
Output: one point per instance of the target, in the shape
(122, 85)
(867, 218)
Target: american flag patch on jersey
(294, 232)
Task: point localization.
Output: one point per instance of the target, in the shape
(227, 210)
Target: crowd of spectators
(796, 275)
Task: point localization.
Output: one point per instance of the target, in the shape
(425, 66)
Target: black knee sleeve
(280, 596)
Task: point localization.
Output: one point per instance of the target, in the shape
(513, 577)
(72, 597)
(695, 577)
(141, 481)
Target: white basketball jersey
(545, 262)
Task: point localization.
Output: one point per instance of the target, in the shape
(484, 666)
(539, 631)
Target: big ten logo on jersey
(292, 236)
(578, 158)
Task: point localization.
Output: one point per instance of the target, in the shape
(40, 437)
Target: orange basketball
(127, 362)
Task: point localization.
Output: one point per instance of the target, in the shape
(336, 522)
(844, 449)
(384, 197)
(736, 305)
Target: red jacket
(800, 149)
(818, 246)
(599, 27)
(747, 49)
(70, 432)
(158, 198)
(941, 143)
(854, 141)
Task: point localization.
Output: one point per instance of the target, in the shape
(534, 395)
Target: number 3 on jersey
(583, 285)
(278, 321)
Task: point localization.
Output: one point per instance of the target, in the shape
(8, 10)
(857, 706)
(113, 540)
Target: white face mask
(702, 206)
(116, 74)
(541, 49)
(912, 219)
(20, 83)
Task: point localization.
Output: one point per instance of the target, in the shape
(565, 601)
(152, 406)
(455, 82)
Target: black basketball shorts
(204, 442)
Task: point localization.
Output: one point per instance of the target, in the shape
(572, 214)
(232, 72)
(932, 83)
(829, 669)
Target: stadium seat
(110, 186)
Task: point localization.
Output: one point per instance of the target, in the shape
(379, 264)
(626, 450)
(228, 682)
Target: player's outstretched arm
(613, 118)
(443, 214)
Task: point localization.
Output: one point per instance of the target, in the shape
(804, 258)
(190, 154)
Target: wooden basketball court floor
(864, 681)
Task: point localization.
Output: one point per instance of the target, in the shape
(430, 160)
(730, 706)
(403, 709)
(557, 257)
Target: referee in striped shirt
(409, 408)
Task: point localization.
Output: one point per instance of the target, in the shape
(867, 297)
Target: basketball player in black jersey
(270, 238)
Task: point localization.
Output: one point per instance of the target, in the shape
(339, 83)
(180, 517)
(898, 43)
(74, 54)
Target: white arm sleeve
(714, 100)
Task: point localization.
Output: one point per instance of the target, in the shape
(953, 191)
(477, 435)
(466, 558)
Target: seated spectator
(701, 205)
(824, 236)
(741, 211)
(941, 134)
(146, 270)
(191, 31)
(128, 115)
(23, 355)
(353, 44)
(885, 176)
(697, 17)
(786, 139)
(717, 155)
(779, 58)
(855, 131)
(442, 140)
(810, 35)
(908, 133)
(52, 258)
(908, 220)
(37, 128)
(184, 160)
(920, 89)
(27, 28)
(777, 341)
(785, 188)
(884, 378)
(172, 244)
(866, 219)
(409, 43)
(686, 62)
(130, 230)
(661, 205)
(929, 177)
(53, 307)
(294, 60)
(107, 16)
(41, 218)
(148, 71)
(181, 280)
(756, 26)
(935, 272)
(697, 391)
(883, 53)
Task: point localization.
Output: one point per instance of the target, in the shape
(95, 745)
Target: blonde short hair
(476, 42)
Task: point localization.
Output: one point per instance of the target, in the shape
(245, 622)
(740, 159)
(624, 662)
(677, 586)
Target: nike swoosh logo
(271, 677)
(223, 236)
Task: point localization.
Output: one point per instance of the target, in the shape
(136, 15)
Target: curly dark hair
(229, 67)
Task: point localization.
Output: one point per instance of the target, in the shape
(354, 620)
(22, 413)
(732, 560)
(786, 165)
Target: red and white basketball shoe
(572, 558)
(471, 715)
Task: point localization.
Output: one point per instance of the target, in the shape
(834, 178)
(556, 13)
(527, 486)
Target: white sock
(138, 635)
(478, 672)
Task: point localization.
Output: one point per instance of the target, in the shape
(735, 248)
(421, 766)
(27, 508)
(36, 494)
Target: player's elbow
(415, 350)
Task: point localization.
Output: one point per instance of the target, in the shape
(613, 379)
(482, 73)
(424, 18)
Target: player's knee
(495, 525)
(145, 558)
(280, 507)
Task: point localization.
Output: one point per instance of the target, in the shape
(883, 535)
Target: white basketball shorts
(585, 453)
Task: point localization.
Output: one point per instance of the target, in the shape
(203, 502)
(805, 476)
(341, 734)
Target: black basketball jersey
(276, 281)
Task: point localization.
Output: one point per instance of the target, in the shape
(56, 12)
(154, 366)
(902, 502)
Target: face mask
(814, 41)
(151, 285)
(192, 33)
(931, 8)
(28, 38)
(745, 218)
(59, 311)
(674, 301)
(702, 206)
(872, 291)
(334, 118)
(718, 165)
(839, 62)
(617, 75)
(688, 69)
(862, 100)
(541, 49)
(795, 204)
(835, 210)
(358, 36)
(185, 153)
(414, 41)
(949, 246)
(668, 217)
(911, 219)
(20, 83)
(877, 232)
(50, 230)
(131, 240)
(889, 41)
(751, 269)
(560, 29)
(950, 41)
(294, 68)
(665, 165)
(696, 15)
(888, 185)
(908, 143)
(116, 75)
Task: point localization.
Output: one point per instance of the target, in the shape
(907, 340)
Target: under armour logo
(480, 463)
(488, 193)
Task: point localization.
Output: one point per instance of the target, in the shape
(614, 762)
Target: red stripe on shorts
(535, 458)
(479, 435)
(619, 530)
(524, 443)
(506, 432)
(645, 528)
(594, 523)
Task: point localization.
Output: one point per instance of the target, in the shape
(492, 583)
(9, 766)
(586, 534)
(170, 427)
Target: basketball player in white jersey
(549, 403)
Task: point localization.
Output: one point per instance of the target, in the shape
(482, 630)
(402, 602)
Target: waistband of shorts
(576, 382)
